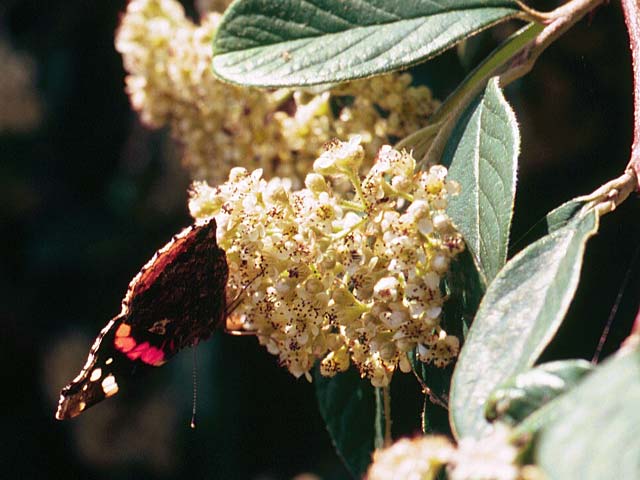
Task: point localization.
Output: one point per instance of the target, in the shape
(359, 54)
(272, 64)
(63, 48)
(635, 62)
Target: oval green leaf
(595, 433)
(564, 214)
(301, 42)
(353, 414)
(527, 392)
(464, 290)
(517, 318)
(482, 155)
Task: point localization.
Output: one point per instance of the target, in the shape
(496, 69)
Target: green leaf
(483, 157)
(464, 290)
(349, 406)
(525, 393)
(302, 42)
(434, 414)
(595, 434)
(564, 214)
(517, 318)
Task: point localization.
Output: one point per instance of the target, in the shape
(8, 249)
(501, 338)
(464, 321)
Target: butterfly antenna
(614, 308)
(195, 387)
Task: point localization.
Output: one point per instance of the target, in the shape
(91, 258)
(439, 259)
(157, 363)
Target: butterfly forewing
(176, 300)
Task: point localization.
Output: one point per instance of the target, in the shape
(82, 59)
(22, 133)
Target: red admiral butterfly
(176, 300)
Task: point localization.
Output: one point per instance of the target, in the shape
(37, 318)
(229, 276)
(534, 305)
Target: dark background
(89, 194)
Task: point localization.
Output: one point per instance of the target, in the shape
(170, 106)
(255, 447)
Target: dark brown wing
(179, 295)
(176, 300)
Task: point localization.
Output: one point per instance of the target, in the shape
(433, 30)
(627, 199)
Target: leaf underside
(595, 432)
(519, 315)
(527, 392)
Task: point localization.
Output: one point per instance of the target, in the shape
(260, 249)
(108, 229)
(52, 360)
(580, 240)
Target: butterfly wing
(176, 300)
(97, 379)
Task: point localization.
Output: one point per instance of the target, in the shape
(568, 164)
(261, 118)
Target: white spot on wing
(109, 385)
(92, 353)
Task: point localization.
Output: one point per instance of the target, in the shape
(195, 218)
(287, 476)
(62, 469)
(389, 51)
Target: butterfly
(175, 301)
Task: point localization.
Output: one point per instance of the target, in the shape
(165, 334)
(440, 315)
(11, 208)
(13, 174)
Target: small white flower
(490, 458)
(386, 289)
(340, 157)
(419, 458)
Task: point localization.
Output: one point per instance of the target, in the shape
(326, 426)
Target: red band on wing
(124, 344)
(145, 352)
(153, 356)
(123, 330)
(148, 354)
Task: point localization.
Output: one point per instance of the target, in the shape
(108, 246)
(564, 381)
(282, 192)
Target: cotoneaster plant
(366, 228)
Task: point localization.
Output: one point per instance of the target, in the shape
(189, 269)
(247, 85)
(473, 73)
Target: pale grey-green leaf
(595, 432)
(518, 316)
(529, 391)
(482, 155)
(564, 214)
(306, 42)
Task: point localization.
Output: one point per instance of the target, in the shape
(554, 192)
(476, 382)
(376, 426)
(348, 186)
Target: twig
(564, 18)
(632, 19)
(636, 325)
(535, 14)
(512, 60)
(606, 198)
(632, 342)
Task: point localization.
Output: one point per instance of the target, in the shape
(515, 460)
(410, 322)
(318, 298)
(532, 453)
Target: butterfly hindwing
(176, 300)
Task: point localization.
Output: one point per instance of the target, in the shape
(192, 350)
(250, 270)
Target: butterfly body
(177, 300)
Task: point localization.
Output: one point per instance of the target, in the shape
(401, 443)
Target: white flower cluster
(170, 82)
(419, 458)
(493, 457)
(345, 278)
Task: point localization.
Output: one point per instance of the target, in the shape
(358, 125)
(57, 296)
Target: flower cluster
(412, 459)
(170, 81)
(494, 457)
(342, 277)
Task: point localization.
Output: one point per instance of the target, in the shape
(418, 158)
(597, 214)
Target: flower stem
(386, 396)
(564, 18)
(355, 181)
(351, 205)
(343, 233)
